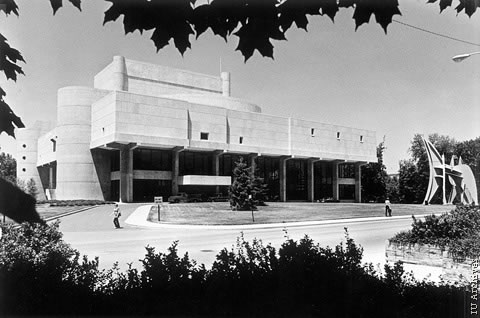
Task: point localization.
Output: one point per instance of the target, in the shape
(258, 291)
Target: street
(92, 233)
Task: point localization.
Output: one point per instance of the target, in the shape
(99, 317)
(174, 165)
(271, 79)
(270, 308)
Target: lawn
(219, 213)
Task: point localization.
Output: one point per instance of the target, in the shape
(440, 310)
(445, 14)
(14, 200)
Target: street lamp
(461, 57)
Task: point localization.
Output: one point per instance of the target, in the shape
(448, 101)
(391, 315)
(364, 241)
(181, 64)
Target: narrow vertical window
(240, 140)
(361, 138)
(338, 135)
(312, 132)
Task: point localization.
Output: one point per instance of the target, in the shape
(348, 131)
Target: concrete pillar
(225, 84)
(126, 174)
(119, 76)
(335, 180)
(216, 166)
(175, 168)
(50, 177)
(310, 180)
(358, 182)
(282, 174)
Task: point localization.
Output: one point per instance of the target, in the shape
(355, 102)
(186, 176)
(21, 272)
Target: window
(203, 136)
(24, 169)
(24, 146)
(361, 138)
(24, 157)
(240, 140)
(312, 132)
(346, 170)
(115, 161)
(54, 144)
(152, 159)
(338, 135)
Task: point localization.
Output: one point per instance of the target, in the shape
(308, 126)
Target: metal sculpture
(456, 181)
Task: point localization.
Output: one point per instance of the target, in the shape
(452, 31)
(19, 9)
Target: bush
(457, 230)
(40, 274)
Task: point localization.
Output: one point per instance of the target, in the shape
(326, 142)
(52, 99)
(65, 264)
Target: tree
(247, 190)
(255, 23)
(469, 151)
(391, 187)
(409, 185)
(374, 178)
(32, 188)
(8, 167)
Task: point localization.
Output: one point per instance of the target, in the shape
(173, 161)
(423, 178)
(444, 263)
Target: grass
(219, 213)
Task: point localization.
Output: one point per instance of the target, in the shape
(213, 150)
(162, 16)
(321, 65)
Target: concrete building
(147, 130)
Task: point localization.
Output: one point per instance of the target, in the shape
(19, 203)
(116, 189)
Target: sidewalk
(146, 216)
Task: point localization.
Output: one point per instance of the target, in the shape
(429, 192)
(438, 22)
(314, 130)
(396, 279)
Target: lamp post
(461, 57)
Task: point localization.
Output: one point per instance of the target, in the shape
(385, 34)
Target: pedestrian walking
(388, 209)
(116, 216)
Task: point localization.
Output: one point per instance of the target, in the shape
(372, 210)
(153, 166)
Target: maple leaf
(383, 10)
(9, 6)
(169, 18)
(8, 59)
(470, 6)
(261, 24)
(57, 4)
(8, 118)
(443, 3)
(221, 16)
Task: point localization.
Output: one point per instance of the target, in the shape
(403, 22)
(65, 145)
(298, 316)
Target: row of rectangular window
(204, 136)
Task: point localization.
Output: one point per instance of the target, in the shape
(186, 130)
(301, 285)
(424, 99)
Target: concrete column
(358, 182)
(335, 180)
(119, 76)
(126, 174)
(50, 177)
(225, 84)
(216, 166)
(175, 168)
(282, 174)
(311, 180)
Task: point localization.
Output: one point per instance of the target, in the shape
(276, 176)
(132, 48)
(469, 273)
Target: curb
(140, 215)
(70, 213)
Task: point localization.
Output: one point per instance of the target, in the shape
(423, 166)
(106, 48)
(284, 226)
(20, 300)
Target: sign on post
(158, 201)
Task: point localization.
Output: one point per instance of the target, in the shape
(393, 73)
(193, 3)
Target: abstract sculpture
(456, 181)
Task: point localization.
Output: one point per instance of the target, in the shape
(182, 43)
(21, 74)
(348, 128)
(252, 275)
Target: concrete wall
(261, 133)
(353, 144)
(154, 80)
(46, 153)
(123, 117)
(142, 119)
(428, 255)
(76, 174)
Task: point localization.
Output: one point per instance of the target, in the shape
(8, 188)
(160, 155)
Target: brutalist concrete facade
(146, 130)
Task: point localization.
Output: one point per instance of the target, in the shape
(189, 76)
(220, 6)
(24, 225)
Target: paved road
(92, 233)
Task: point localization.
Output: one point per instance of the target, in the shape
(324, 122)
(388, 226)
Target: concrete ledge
(429, 255)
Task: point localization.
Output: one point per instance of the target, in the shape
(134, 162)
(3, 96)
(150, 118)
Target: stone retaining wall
(428, 255)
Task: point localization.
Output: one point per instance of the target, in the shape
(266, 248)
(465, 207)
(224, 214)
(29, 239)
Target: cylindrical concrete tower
(225, 83)
(27, 153)
(119, 74)
(76, 175)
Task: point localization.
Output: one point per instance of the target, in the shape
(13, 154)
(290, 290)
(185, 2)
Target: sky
(397, 84)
